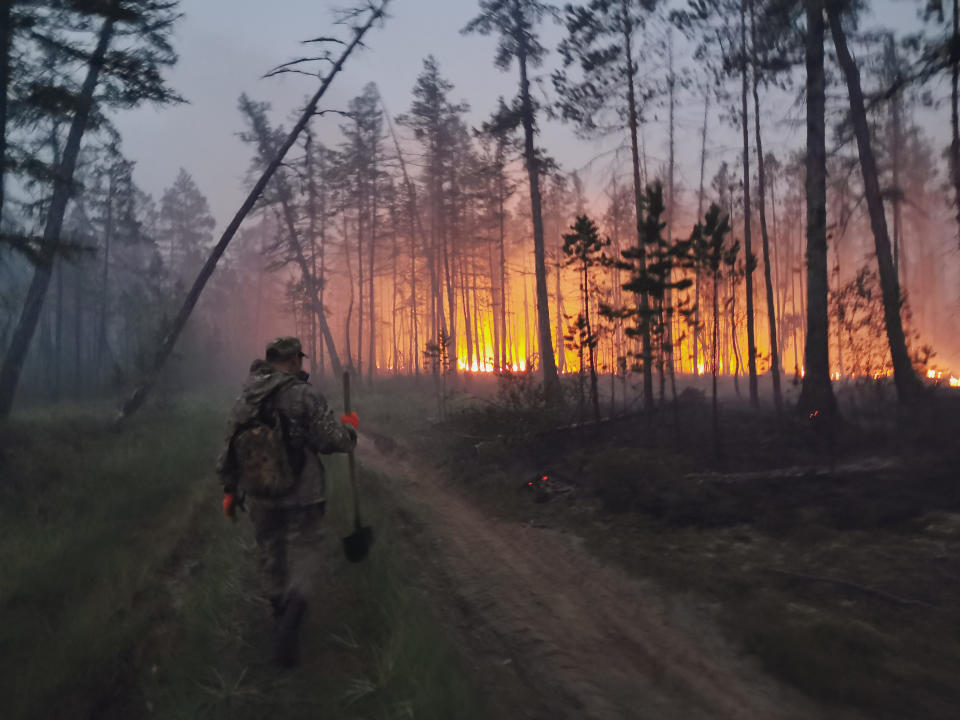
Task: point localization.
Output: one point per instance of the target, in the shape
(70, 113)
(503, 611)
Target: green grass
(88, 518)
(125, 593)
(371, 647)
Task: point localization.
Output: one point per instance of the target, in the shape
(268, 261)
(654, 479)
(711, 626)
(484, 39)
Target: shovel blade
(356, 546)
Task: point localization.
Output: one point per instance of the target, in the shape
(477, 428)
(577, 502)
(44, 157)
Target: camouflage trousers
(288, 550)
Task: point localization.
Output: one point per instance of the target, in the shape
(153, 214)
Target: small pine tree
(584, 250)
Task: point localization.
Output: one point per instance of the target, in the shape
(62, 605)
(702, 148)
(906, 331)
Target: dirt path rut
(565, 636)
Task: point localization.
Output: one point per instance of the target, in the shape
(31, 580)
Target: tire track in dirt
(577, 639)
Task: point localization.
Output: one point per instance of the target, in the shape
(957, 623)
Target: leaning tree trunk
(166, 347)
(551, 381)
(817, 392)
(747, 212)
(904, 377)
(63, 184)
(767, 279)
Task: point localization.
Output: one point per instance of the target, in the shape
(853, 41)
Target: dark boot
(288, 626)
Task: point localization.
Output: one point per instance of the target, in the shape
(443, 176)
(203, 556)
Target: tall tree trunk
(908, 385)
(734, 344)
(494, 310)
(714, 364)
(361, 221)
(817, 392)
(313, 288)
(955, 113)
(416, 227)
(594, 391)
(696, 302)
(395, 352)
(551, 381)
(747, 210)
(350, 294)
(372, 348)
(633, 122)
(896, 140)
(62, 187)
(501, 221)
(77, 331)
(312, 230)
(166, 347)
(561, 350)
(6, 38)
(58, 346)
(105, 280)
(668, 293)
(762, 189)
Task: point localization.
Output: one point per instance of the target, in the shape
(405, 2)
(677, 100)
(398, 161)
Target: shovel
(357, 544)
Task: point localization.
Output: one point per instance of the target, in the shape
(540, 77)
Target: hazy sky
(226, 46)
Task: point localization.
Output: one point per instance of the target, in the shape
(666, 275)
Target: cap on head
(283, 349)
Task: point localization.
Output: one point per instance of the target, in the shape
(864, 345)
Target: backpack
(260, 455)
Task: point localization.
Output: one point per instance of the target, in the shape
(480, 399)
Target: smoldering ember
(480, 359)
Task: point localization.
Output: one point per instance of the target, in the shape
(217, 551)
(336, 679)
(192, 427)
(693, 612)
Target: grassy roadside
(126, 594)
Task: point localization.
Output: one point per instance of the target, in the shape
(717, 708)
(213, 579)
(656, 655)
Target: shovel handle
(350, 458)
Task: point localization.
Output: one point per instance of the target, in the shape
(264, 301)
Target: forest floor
(642, 579)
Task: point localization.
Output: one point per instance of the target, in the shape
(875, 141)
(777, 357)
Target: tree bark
(372, 348)
(6, 38)
(767, 279)
(668, 293)
(166, 347)
(105, 279)
(817, 392)
(955, 113)
(632, 121)
(908, 385)
(416, 226)
(63, 185)
(696, 301)
(551, 381)
(747, 210)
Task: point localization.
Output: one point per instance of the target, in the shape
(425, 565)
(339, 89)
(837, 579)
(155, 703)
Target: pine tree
(709, 251)
(600, 43)
(817, 392)
(184, 227)
(123, 76)
(905, 378)
(585, 250)
(515, 22)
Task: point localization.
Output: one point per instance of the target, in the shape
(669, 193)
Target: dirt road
(559, 634)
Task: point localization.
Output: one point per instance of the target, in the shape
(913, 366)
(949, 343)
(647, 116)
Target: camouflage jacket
(309, 430)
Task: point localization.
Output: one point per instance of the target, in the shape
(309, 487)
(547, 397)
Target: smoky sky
(226, 46)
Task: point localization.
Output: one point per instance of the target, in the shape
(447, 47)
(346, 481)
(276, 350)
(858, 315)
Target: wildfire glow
(954, 382)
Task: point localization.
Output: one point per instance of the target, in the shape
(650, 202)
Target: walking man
(278, 427)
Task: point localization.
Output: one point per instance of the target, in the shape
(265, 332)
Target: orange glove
(351, 419)
(229, 506)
